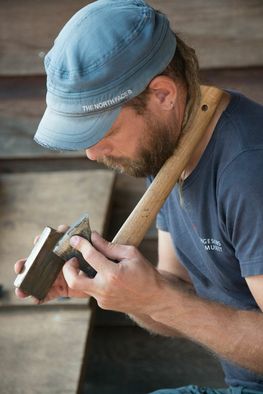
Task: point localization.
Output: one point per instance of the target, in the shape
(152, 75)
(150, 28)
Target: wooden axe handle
(141, 218)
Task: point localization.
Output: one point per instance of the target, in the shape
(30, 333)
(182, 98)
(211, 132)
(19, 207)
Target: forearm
(153, 326)
(135, 287)
(233, 334)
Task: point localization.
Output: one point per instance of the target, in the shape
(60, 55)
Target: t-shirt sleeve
(161, 221)
(240, 204)
(160, 218)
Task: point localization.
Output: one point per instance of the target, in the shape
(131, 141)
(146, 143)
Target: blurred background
(73, 346)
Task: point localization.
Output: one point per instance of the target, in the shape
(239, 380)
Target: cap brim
(58, 131)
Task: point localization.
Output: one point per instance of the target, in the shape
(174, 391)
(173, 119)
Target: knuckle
(72, 283)
(87, 253)
(112, 279)
(132, 250)
(62, 228)
(111, 245)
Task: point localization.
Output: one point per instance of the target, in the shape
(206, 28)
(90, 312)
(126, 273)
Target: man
(122, 86)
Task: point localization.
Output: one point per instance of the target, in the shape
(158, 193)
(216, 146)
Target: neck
(181, 103)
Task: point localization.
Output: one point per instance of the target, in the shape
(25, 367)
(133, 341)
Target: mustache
(157, 145)
(132, 167)
(111, 161)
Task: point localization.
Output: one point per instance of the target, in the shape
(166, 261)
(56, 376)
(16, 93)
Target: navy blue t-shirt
(218, 231)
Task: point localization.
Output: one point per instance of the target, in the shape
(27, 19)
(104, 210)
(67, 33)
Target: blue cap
(105, 55)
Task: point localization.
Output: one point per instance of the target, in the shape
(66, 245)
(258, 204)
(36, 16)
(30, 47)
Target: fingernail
(74, 240)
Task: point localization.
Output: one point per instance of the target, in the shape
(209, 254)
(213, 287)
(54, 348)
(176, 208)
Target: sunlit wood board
(31, 201)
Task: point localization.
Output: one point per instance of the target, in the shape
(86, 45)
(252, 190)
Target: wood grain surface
(42, 350)
(31, 201)
(35, 25)
(224, 33)
(22, 104)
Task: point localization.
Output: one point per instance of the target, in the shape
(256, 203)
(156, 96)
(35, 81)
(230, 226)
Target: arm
(233, 334)
(135, 287)
(167, 259)
(170, 267)
(255, 284)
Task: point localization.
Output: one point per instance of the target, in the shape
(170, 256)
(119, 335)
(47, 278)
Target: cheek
(133, 138)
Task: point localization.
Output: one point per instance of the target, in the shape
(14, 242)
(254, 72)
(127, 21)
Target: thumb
(73, 277)
(108, 249)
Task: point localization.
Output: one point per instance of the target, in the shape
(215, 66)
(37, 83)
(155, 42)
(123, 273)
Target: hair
(183, 68)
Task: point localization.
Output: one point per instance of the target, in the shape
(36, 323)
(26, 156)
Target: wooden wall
(225, 33)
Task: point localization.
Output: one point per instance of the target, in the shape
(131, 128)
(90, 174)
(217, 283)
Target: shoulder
(240, 139)
(243, 118)
(244, 171)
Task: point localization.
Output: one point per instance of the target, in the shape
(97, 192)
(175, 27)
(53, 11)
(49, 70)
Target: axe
(53, 248)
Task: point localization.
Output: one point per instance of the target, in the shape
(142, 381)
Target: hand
(131, 286)
(59, 287)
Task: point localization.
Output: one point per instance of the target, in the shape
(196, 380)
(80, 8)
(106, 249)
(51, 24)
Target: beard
(157, 143)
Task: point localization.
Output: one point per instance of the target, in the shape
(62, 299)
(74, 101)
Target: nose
(97, 151)
(91, 154)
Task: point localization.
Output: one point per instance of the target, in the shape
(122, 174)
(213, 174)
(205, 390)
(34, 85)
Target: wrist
(166, 296)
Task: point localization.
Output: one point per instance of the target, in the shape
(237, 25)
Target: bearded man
(122, 86)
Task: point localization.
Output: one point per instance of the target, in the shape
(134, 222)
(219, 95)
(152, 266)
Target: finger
(73, 278)
(19, 265)
(96, 259)
(20, 293)
(62, 228)
(36, 239)
(110, 250)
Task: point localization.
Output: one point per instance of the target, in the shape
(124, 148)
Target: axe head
(48, 256)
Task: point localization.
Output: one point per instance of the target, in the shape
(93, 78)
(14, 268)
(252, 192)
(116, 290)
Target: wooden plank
(31, 201)
(22, 103)
(247, 81)
(127, 192)
(42, 350)
(224, 33)
(127, 360)
(35, 25)
(49, 164)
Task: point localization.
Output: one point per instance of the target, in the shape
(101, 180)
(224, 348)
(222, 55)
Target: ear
(164, 92)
